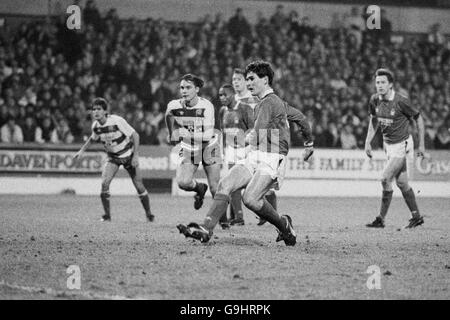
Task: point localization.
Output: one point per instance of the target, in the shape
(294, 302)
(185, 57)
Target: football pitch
(41, 237)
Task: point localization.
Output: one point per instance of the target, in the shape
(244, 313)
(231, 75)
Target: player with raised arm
(393, 112)
(264, 165)
(190, 122)
(121, 143)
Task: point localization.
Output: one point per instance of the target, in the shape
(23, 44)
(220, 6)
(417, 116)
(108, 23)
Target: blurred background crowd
(49, 74)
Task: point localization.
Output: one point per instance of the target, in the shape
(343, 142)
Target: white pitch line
(63, 293)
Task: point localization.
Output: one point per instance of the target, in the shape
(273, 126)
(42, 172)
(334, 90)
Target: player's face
(98, 113)
(382, 84)
(238, 82)
(225, 96)
(255, 84)
(187, 90)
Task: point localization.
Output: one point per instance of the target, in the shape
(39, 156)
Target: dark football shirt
(393, 116)
(271, 125)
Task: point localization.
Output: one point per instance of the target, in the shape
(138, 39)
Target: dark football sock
(145, 202)
(272, 199)
(410, 200)
(268, 213)
(217, 210)
(105, 202)
(385, 203)
(236, 205)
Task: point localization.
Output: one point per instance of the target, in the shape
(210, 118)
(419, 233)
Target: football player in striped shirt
(121, 143)
(190, 122)
(393, 112)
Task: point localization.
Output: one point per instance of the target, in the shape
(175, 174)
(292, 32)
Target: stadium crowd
(49, 74)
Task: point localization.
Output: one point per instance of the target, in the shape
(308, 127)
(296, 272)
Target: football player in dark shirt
(264, 165)
(392, 112)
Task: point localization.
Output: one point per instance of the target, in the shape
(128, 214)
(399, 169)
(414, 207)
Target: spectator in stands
(435, 35)
(148, 134)
(348, 139)
(64, 68)
(238, 25)
(323, 137)
(10, 132)
(279, 18)
(63, 134)
(91, 15)
(442, 140)
(29, 129)
(156, 117)
(46, 133)
(356, 25)
(4, 113)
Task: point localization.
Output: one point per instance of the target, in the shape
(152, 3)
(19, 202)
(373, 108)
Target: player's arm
(411, 111)
(170, 120)
(84, 146)
(136, 141)
(421, 132)
(371, 130)
(296, 116)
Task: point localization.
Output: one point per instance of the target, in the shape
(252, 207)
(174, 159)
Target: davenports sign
(49, 161)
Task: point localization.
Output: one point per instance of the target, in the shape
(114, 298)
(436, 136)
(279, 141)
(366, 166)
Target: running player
(264, 165)
(243, 95)
(190, 121)
(121, 142)
(393, 112)
(236, 119)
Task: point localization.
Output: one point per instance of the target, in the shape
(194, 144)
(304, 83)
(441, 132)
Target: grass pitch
(41, 236)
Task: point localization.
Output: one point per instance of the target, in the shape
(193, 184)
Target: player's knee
(250, 202)
(223, 187)
(213, 190)
(185, 183)
(386, 183)
(402, 185)
(105, 186)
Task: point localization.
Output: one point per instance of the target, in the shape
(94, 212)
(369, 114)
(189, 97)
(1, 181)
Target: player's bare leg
(408, 194)
(109, 171)
(254, 199)
(236, 212)
(238, 177)
(213, 175)
(393, 167)
(186, 182)
(136, 178)
(271, 197)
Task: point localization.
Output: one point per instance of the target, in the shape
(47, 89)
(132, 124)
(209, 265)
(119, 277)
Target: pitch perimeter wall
(50, 169)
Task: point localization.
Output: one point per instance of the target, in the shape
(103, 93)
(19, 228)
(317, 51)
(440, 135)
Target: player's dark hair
(228, 87)
(261, 69)
(385, 72)
(198, 82)
(239, 71)
(100, 102)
